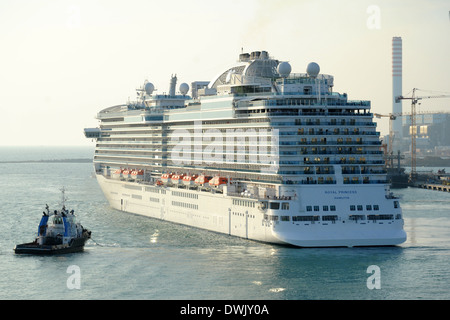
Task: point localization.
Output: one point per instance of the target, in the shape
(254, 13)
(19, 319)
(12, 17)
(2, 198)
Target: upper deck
(257, 83)
(310, 134)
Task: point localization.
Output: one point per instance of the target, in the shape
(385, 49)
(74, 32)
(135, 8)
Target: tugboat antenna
(63, 198)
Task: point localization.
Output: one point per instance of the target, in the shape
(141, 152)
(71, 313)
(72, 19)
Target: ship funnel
(173, 84)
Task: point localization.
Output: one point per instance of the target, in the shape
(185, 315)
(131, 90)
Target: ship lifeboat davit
(126, 174)
(218, 182)
(117, 174)
(177, 179)
(202, 181)
(166, 178)
(137, 174)
(189, 180)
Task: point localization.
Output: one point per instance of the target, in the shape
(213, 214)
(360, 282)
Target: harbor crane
(414, 100)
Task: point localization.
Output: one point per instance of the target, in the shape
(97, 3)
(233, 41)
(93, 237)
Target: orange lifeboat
(189, 180)
(177, 179)
(117, 174)
(166, 178)
(218, 181)
(202, 180)
(137, 174)
(126, 174)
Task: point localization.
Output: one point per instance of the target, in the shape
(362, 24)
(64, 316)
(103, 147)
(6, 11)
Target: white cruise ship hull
(242, 217)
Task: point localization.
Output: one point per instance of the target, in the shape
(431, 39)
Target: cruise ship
(258, 152)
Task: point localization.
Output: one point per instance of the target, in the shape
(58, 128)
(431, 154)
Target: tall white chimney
(397, 88)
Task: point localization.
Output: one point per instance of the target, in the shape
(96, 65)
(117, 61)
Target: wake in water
(109, 245)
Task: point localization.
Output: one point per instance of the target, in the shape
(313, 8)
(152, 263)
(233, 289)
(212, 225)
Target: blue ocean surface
(134, 257)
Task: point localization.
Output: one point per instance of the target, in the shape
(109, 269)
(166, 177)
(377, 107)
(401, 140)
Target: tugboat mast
(63, 198)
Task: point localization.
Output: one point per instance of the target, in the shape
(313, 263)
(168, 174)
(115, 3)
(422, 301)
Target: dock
(438, 187)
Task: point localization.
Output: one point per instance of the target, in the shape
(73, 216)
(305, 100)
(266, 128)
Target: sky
(62, 61)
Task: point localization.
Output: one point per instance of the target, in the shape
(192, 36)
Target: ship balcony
(325, 151)
(128, 150)
(309, 180)
(358, 170)
(298, 112)
(326, 170)
(364, 180)
(275, 123)
(92, 133)
(318, 180)
(290, 99)
(125, 143)
(312, 142)
(329, 132)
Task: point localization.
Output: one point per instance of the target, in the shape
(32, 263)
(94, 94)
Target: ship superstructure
(258, 152)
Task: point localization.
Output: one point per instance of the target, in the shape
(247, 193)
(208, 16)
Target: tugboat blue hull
(76, 245)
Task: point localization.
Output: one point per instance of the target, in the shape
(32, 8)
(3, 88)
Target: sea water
(134, 257)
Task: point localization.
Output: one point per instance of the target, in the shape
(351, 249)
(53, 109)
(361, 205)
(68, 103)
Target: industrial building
(432, 132)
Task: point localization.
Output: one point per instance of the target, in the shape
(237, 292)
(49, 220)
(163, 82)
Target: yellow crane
(414, 100)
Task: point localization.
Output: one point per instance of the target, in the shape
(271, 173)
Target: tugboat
(58, 233)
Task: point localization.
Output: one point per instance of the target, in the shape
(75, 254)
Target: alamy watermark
(374, 280)
(74, 17)
(74, 280)
(374, 19)
(227, 146)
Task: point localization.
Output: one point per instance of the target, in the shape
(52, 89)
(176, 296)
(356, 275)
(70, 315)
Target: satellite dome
(313, 69)
(284, 69)
(149, 87)
(184, 88)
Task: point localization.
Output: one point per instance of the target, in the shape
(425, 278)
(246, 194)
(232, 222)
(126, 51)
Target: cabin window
(305, 218)
(330, 218)
(274, 205)
(356, 217)
(376, 217)
(57, 220)
(307, 90)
